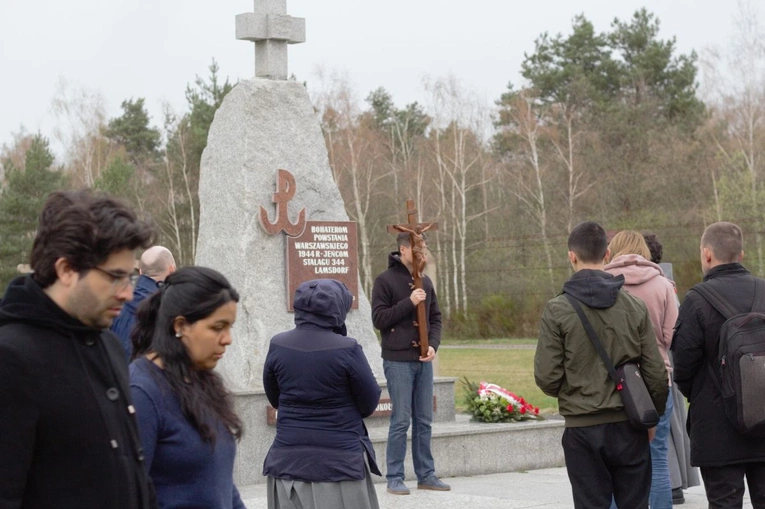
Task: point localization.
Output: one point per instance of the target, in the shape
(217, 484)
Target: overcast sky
(153, 48)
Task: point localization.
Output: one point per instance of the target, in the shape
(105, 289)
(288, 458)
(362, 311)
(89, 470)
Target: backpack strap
(595, 340)
(759, 295)
(717, 301)
(711, 295)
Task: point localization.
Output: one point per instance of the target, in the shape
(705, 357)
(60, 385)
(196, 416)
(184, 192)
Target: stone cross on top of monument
(271, 29)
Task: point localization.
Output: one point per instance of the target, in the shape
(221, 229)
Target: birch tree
(458, 148)
(80, 114)
(736, 87)
(354, 148)
(521, 127)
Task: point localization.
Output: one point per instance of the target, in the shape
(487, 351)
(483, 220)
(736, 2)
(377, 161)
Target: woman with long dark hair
(186, 418)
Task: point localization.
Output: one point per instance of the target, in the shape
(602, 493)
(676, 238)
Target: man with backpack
(719, 349)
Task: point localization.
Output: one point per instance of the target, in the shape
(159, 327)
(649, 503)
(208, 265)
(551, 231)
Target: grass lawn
(508, 368)
(493, 341)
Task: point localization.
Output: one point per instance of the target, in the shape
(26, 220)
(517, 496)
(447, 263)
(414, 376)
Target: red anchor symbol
(285, 190)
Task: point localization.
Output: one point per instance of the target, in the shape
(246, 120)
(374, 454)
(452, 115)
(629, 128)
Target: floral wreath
(489, 402)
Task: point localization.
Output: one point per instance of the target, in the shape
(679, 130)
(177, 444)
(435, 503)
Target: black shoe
(677, 496)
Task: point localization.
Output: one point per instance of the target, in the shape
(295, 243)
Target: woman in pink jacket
(644, 279)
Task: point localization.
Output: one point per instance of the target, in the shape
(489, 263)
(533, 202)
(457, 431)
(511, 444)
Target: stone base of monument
(443, 404)
(460, 447)
(465, 448)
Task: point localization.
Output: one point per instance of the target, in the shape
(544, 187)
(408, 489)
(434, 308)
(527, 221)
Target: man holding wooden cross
(405, 309)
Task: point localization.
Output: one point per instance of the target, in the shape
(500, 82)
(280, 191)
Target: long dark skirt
(682, 474)
(285, 494)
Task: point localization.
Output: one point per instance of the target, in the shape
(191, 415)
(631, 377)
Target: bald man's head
(157, 262)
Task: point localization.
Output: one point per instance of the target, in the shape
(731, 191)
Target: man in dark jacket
(604, 454)
(68, 434)
(409, 376)
(724, 455)
(155, 265)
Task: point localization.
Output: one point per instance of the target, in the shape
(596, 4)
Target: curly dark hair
(654, 246)
(85, 228)
(193, 293)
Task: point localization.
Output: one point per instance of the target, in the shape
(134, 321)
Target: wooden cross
(271, 29)
(415, 230)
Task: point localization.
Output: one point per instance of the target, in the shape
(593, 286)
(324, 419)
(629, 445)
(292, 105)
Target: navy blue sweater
(186, 471)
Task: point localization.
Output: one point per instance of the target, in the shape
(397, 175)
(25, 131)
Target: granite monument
(266, 126)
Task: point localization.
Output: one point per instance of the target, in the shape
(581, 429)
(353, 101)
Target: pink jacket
(646, 281)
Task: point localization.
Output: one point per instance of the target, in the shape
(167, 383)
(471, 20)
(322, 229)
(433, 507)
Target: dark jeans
(725, 485)
(661, 487)
(608, 459)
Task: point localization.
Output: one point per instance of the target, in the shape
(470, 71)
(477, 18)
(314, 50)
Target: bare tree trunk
(447, 267)
(739, 94)
(532, 194)
(83, 112)
(361, 218)
(542, 207)
(571, 180)
(354, 150)
(565, 152)
(455, 260)
(190, 197)
(175, 229)
(485, 196)
(463, 241)
(458, 119)
(716, 193)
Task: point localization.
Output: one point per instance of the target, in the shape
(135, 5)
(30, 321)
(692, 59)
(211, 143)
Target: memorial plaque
(385, 408)
(325, 250)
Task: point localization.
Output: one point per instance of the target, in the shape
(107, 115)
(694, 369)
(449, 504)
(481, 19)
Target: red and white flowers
(489, 402)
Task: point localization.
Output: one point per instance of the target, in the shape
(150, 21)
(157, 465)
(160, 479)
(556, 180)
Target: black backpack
(740, 365)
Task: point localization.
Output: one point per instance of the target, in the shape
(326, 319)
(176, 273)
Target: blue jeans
(661, 487)
(410, 385)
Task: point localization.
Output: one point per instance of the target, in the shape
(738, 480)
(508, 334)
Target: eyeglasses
(120, 280)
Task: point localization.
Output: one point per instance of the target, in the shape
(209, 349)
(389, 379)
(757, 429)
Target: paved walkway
(545, 489)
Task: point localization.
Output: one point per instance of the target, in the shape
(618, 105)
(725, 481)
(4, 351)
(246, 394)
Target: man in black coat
(724, 455)
(68, 433)
(409, 376)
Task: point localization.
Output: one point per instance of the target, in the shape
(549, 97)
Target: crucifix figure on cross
(271, 29)
(418, 245)
(416, 230)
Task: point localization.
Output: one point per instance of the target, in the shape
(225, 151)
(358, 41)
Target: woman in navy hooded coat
(322, 385)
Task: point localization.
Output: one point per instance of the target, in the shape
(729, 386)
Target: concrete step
(460, 447)
(465, 448)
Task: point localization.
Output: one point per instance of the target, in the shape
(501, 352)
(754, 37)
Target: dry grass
(512, 369)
